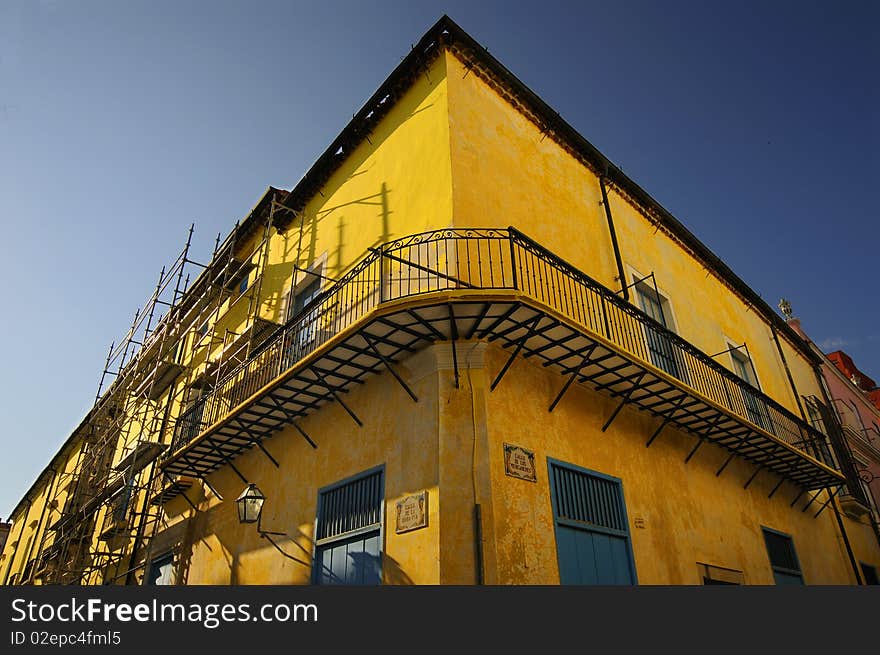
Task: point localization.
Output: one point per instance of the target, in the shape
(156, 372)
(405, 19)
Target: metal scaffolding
(108, 504)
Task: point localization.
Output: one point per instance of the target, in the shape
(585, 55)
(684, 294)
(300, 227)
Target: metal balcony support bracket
(498, 321)
(826, 503)
(798, 497)
(666, 420)
(292, 420)
(485, 310)
(776, 488)
(519, 346)
(551, 343)
(402, 328)
(268, 454)
(304, 435)
(573, 377)
(336, 397)
(815, 496)
(635, 376)
(694, 449)
(557, 360)
(226, 460)
(623, 402)
(753, 476)
(453, 334)
(426, 324)
(248, 426)
(732, 455)
(390, 368)
(210, 486)
(182, 493)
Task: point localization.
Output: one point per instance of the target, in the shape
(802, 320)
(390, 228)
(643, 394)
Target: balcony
(501, 286)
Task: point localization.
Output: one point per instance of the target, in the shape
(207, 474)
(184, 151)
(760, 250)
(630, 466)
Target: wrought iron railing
(493, 260)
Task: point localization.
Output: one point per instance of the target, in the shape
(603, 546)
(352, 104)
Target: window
(305, 335)
(822, 420)
(755, 408)
(304, 296)
(813, 414)
(243, 285)
(663, 352)
(783, 558)
(348, 532)
(161, 570)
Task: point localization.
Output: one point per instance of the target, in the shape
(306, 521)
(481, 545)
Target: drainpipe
(17, 543)
(797, 397)
(620, 273)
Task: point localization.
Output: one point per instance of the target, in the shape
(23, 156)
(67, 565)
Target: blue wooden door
(592, 536)
(354, 561)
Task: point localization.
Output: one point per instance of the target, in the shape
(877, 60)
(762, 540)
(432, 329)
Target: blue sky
(755, 123)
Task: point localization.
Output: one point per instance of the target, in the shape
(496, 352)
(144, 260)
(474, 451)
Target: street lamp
(250, 510)
(250, 504)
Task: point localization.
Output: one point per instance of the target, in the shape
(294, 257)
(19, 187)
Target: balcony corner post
(382, 291)
(513, 260)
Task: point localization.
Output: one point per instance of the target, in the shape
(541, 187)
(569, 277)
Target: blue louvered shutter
(592, 536)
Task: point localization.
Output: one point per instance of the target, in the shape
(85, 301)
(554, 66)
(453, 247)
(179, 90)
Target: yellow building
(465, 348)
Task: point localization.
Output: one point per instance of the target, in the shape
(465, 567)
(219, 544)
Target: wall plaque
(519, 463)
(412, 512)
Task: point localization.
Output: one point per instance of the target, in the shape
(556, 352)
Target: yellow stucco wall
(690, 514)
(396, 184)
(30, 525)
(397, 433)
(506, 172)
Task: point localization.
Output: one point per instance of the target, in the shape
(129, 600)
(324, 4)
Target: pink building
(855, 398)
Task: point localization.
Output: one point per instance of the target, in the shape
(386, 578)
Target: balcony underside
(518, 324)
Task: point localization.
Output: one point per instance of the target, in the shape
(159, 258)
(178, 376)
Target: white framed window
(754, 408)
(663, 352)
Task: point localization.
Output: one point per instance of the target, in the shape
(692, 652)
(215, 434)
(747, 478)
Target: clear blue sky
(755, 123)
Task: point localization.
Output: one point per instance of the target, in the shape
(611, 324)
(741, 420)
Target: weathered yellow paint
(397, 185)
(452, 151)
(29, 534)
(506, 172)
(397, 433)
(690, 514)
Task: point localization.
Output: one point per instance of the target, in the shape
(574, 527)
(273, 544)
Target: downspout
(17, 543)
(614, 244)
(797, 397)
(42, 516)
